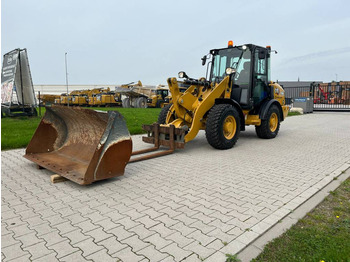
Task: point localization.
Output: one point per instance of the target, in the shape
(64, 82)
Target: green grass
(135, 117)
(294, 114)
(16, 132)
(323, 235)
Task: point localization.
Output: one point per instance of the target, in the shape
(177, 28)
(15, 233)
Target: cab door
(260, 85)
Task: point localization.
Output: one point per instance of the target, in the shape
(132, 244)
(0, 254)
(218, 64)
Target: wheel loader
(86, 146)
(158, 99)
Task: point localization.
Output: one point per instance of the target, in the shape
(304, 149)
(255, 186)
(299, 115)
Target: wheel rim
(273, 122)
(229, 127)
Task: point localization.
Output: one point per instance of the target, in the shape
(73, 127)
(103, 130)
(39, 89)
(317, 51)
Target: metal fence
(325, 96)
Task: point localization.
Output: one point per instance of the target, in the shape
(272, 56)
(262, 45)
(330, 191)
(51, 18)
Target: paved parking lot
(195, 205)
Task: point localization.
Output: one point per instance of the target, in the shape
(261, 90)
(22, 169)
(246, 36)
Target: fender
(236, 105)
(266, 106)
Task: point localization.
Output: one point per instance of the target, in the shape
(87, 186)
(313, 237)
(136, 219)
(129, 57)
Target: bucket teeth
(81, 144)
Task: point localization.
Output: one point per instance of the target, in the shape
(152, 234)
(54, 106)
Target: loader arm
(190, 108)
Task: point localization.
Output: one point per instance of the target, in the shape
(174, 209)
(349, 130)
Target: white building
(59, 89)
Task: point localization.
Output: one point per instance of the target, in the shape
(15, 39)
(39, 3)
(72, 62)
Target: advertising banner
(16, 80)
(8, 74)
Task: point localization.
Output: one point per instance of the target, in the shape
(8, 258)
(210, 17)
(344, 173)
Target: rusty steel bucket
(81, 145)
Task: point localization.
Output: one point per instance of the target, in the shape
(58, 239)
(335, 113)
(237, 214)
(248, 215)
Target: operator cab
(248, 67)
(163, 93)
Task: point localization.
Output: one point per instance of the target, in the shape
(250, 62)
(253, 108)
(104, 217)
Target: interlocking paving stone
(13, 251)
(101, 256)
(152, 254)
(112, 245)
(47, 258)
(8, 240)
(63, 248)
(88, 247)
(142, 231)
(29, 239)
(174, 250)
(38, 250)
(127, 254)
(158, 241)
(76, 257)
(179, 239)
(75, 236)
(120, 232)
(181, 206)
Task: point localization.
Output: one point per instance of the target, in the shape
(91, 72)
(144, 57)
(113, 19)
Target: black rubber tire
(126, 103)
(214, 127)
(264, 130)
(159, 104)
(141, 102)
(163, 114)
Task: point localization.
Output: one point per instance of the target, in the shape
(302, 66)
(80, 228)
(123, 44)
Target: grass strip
(322, 235)
(16, 132)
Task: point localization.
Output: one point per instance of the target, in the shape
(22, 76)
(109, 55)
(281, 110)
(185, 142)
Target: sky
(116, 42)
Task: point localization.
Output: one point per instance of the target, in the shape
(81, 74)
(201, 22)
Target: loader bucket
(81, 145)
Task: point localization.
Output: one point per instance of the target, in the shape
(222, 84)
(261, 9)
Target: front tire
(223, 126)
(163, 114)
(270, 126)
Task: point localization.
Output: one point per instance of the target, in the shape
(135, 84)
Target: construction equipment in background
(106, 99)
(332, 93)
(81, 98)
(136, 94)
(48, 99)
(92, 100)
(158, 99)
(65, 100)
(323, 98)
(85, 146)
(96, 97)
(17, 91)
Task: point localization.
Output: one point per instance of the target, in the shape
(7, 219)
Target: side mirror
(204, 59)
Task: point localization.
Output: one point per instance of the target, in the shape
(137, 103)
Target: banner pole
(20, 73)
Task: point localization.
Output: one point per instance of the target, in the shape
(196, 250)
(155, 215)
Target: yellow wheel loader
(158, 99)
(85, 146)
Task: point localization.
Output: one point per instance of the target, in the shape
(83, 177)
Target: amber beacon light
(230, 43)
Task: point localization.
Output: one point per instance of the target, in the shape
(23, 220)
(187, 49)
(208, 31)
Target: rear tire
(163, 114)
(270, 126)
(223, 126)
(126, 102)
(141, 102)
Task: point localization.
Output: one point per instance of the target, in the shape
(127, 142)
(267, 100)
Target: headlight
(230, 71)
